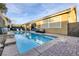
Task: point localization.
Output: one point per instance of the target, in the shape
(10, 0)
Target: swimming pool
(27, 41)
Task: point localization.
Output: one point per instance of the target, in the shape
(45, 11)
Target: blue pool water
(27, 41)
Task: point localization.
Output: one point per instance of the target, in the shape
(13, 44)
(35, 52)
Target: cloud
(13, 8)
(22, 13)
(19, 20)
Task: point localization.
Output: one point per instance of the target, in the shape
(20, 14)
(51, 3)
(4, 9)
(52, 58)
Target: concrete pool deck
(61, 46)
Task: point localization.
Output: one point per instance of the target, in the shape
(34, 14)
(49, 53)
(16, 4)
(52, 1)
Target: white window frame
(48, 23)
(44, 22)
(53, 22)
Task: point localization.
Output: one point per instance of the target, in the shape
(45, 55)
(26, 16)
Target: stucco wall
(67, 17)
(66, 20)
(63, 29)
(72, 19)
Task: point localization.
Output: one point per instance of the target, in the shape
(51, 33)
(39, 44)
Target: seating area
(34, 28)
(40, 30)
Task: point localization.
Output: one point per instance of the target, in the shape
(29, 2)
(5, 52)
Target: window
(45, 24)
(54, 22)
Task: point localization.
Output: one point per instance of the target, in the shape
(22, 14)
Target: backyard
(53, 33)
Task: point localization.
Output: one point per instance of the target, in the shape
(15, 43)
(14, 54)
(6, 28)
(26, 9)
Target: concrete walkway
(61, 46)
(10, 50)
(10, 41)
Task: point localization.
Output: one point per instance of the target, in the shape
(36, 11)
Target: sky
(21, 13)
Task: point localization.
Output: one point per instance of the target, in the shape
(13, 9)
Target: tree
(8, 19)
(3, 8)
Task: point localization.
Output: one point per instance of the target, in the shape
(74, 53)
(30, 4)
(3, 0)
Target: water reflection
(34, 37)
(40, 39)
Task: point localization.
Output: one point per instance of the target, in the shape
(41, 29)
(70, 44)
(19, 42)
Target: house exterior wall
(72, 21)
(60, 25)
(63, 29)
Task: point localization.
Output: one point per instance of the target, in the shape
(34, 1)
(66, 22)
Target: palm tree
(3, 8)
